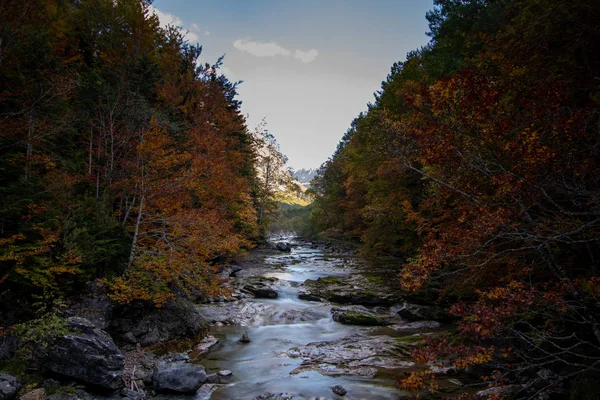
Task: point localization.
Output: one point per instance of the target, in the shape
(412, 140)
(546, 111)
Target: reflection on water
(263, 365)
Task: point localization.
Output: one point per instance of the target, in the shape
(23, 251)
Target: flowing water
(263, 365)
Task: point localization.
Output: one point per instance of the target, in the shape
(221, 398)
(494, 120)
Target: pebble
(245, 338)
(339, 390)
(225, 372)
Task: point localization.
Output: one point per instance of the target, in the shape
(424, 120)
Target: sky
(309, 67)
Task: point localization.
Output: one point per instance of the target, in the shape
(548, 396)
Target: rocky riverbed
(302, 320)
(317, 318)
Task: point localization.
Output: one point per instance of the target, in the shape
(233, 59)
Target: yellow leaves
(480, 357)
(417, 381)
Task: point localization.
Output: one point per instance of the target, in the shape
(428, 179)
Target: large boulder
(355, 355)
(88, 354)
(283, 246)
(261, 287)
(415, 312)
(9, 386)
(181, 377)
(143, 324)
(354, 290)
(358, 315)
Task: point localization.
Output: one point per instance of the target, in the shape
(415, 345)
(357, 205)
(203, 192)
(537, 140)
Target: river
(277, 325)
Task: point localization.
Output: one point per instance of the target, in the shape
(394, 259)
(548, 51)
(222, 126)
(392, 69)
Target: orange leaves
(495, 308)
(418, 381)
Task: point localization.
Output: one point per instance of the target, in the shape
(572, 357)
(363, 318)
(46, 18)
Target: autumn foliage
(123, 157)
(478, 164)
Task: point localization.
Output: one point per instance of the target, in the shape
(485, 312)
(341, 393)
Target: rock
(132, 394)
(440, 370)
(418, 326)
(357, 315)
(355, 355)
(9, 386)
(178, 377)
(139, 366)
(245, 338)
(213, 378)
(264, 293)
(240, 313)
(499, 392)
(147, 325)
(303, 294)
(274, 396)
(37, 394)
(88, 354)
(205, 345)
(354, 290)
(283, 246)
(261, 287)
(78, 394)
(94, 305)
(8, 346)
(225, 372)
(339, 390)
(415, 312)
(205, 391)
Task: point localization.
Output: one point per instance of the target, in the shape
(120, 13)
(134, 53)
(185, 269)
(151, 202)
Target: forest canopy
(478, 165)
(123, 158)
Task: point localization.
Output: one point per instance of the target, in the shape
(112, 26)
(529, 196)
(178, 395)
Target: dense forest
(123, 158)
(478, 164)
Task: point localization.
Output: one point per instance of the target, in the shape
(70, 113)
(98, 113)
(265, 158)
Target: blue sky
(309, 67)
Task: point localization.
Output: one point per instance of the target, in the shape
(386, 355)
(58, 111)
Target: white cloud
(272, 49)
(166, 18)
(192, 32)
(306, 56)
(261, 49)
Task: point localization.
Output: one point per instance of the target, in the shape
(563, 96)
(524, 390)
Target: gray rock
(206, 390)
(89, 354)
(357, 315)
(415, 312)
(178, 377)
(9, 386)
(242, 312)
(495, 392)
(132, 394)
(418, 326)
(147, 326)
(245, 338)
(213, 378)
(283, 246)
(180, 357)
(355, 355)
(354, 290)
(205, 345)
(8, 346)
(78, 394)
(36, 394)
(339, 390)
(261, 287)
(225, 372)
(274, 396)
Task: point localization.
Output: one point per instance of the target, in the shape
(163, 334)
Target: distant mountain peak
(304, 176)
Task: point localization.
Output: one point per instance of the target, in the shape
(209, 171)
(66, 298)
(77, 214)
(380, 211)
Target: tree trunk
(135, 232)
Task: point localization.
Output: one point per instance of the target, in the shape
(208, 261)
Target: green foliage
(40, 332)
(293, 218)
